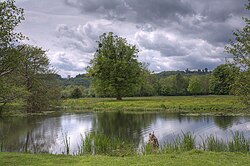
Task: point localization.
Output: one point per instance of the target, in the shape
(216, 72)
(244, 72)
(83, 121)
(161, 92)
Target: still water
(46, 133)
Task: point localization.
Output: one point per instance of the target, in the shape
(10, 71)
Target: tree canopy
(114, 68)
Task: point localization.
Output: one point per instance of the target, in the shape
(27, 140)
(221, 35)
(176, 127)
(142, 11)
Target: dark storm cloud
(202, 19)
(140, 11)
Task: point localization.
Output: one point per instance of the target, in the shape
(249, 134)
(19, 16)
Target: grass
(192, 105)
(219, 105)
(187, 142)
(185, 158)
(95, 143)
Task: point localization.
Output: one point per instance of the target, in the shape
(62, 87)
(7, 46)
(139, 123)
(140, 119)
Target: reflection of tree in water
(32, 134)
(224, 122)
(122, 125)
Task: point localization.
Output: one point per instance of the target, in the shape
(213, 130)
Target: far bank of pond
(188, 105)
(212, 104)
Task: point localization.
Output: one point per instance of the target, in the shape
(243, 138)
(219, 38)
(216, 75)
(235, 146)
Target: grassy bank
(212, 104)
(183, 158)
(184, 104)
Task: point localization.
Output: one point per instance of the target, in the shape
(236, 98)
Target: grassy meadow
(184, 158)
(172, 104)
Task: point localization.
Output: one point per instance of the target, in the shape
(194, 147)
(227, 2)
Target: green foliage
(101, 144)
(76, 93)
(173, 85)
(38, 79)
(115, 69)
(10, 17)
(167, 86)
(241, 87)
(11, 90)
(195, 86)
(222, 79)
(149, 84)
(239, 48)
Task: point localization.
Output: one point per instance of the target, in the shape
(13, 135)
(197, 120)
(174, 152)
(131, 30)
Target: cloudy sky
(170, 34)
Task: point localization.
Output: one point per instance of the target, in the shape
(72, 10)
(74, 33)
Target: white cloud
(171, 35)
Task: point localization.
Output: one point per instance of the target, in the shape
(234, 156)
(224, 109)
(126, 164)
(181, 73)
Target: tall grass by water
(66, 142)
(186, 142)
(101, 144)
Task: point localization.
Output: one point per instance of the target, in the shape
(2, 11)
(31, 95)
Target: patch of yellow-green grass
(184, 158)
(184, 104)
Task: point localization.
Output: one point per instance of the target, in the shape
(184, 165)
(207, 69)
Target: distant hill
(80, 79)
(186, 72)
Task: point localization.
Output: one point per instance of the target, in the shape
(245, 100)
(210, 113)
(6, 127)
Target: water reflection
(45, 134)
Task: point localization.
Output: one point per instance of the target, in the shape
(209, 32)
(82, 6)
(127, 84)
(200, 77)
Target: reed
(101, 144)
(186, 142)
(66, 142)
(239, 143)
(212, 143)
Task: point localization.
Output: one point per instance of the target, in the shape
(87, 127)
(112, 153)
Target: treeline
(167, 83)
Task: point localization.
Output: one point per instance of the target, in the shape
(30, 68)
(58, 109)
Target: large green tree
(239, 48)
(114, 68)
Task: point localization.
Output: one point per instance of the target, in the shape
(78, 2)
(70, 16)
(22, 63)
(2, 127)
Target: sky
(170, 34)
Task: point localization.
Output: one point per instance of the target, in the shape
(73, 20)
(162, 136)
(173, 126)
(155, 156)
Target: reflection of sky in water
(48, 132)
(74, 127)
(166, 130)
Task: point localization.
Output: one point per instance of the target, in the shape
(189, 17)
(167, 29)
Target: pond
(46, 133)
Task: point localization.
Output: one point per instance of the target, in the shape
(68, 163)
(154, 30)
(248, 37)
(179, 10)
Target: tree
(222, 79)
(195, 85)
(241, 87)
(168, 86)
(10, 17)
(76, 93)
(205, 84)
(114, 68)
(239, 48)
(39, 80)
(149, 83)
(181, 84)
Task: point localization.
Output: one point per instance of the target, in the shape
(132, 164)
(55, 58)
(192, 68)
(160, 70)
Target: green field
(173, 104)
(183, 158)
(192, 105)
